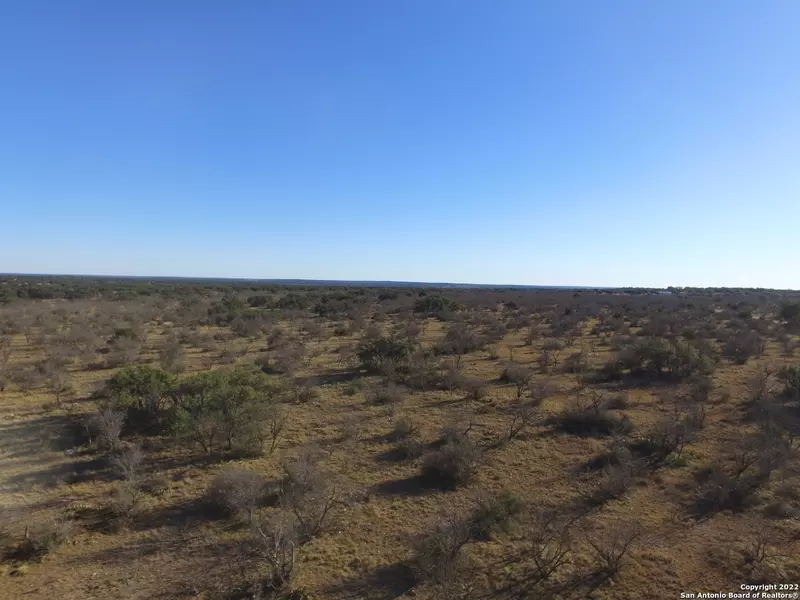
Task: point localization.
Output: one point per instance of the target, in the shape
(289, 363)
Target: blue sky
(616, 142)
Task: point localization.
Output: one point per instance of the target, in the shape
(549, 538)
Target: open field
(378, 443)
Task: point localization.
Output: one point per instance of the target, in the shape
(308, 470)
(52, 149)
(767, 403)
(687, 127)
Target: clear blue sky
(558, 142)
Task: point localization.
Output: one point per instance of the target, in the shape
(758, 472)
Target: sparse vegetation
(229, 411)
(237, 492)
(612, 548)
(494, 513)
(308, 493)
(454, 464)
(438, 556)
(590, 417)
(284, 441)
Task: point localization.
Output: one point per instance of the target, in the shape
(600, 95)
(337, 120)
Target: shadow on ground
(409, 486)
(80, 471)
(385, 583)
(50, 433)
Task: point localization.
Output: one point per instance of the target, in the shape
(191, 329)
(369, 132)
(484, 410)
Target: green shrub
(145, 393)
(661, 359)
(228, 410)
(453, 465)
(494, 513)
(434, 304)
(382, 354)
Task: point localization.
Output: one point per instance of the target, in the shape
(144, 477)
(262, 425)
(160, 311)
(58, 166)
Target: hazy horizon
(372, 282)
(613, 144)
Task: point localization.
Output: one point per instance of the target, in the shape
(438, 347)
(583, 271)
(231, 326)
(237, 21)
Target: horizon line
(379, 283)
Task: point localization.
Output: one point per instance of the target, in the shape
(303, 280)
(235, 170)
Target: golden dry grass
(170, 550)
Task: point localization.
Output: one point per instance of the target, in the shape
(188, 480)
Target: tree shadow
(639, 381)
(393, 454)
(379, 438)
(209, 561)
(55, 433)
(581, 585)
(185, 514)
(331, 378)
(577, 586)
(448, 402)
(99, 519)
(416, 485)
(399, 454)
(157, 463)
(92, 469)
(385, 583)
(91, 398)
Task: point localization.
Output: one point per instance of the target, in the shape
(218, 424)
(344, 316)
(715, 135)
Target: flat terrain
(517, 380)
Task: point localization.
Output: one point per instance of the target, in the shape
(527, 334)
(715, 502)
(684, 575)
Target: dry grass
(171, 548)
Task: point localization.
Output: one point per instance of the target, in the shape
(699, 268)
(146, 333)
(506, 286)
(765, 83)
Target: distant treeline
(73, 287)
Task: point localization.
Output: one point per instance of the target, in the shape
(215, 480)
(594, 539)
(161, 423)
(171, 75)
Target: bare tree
(237, 492)
(612, 547)
(277, 541)
(313, 329)
(128, 461)
(275, 422)
(437, 553)
(451, 377)
(59, 385)
(457, 427)
(763, 385)
(550, 542)
(345, 356)
(308, 492)
(522, 415)
(539, 391)
(519, 376)
(615, 479)
(27, 380)
(105, 427)
(173, 357)
(123, 351)
(668, 436)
